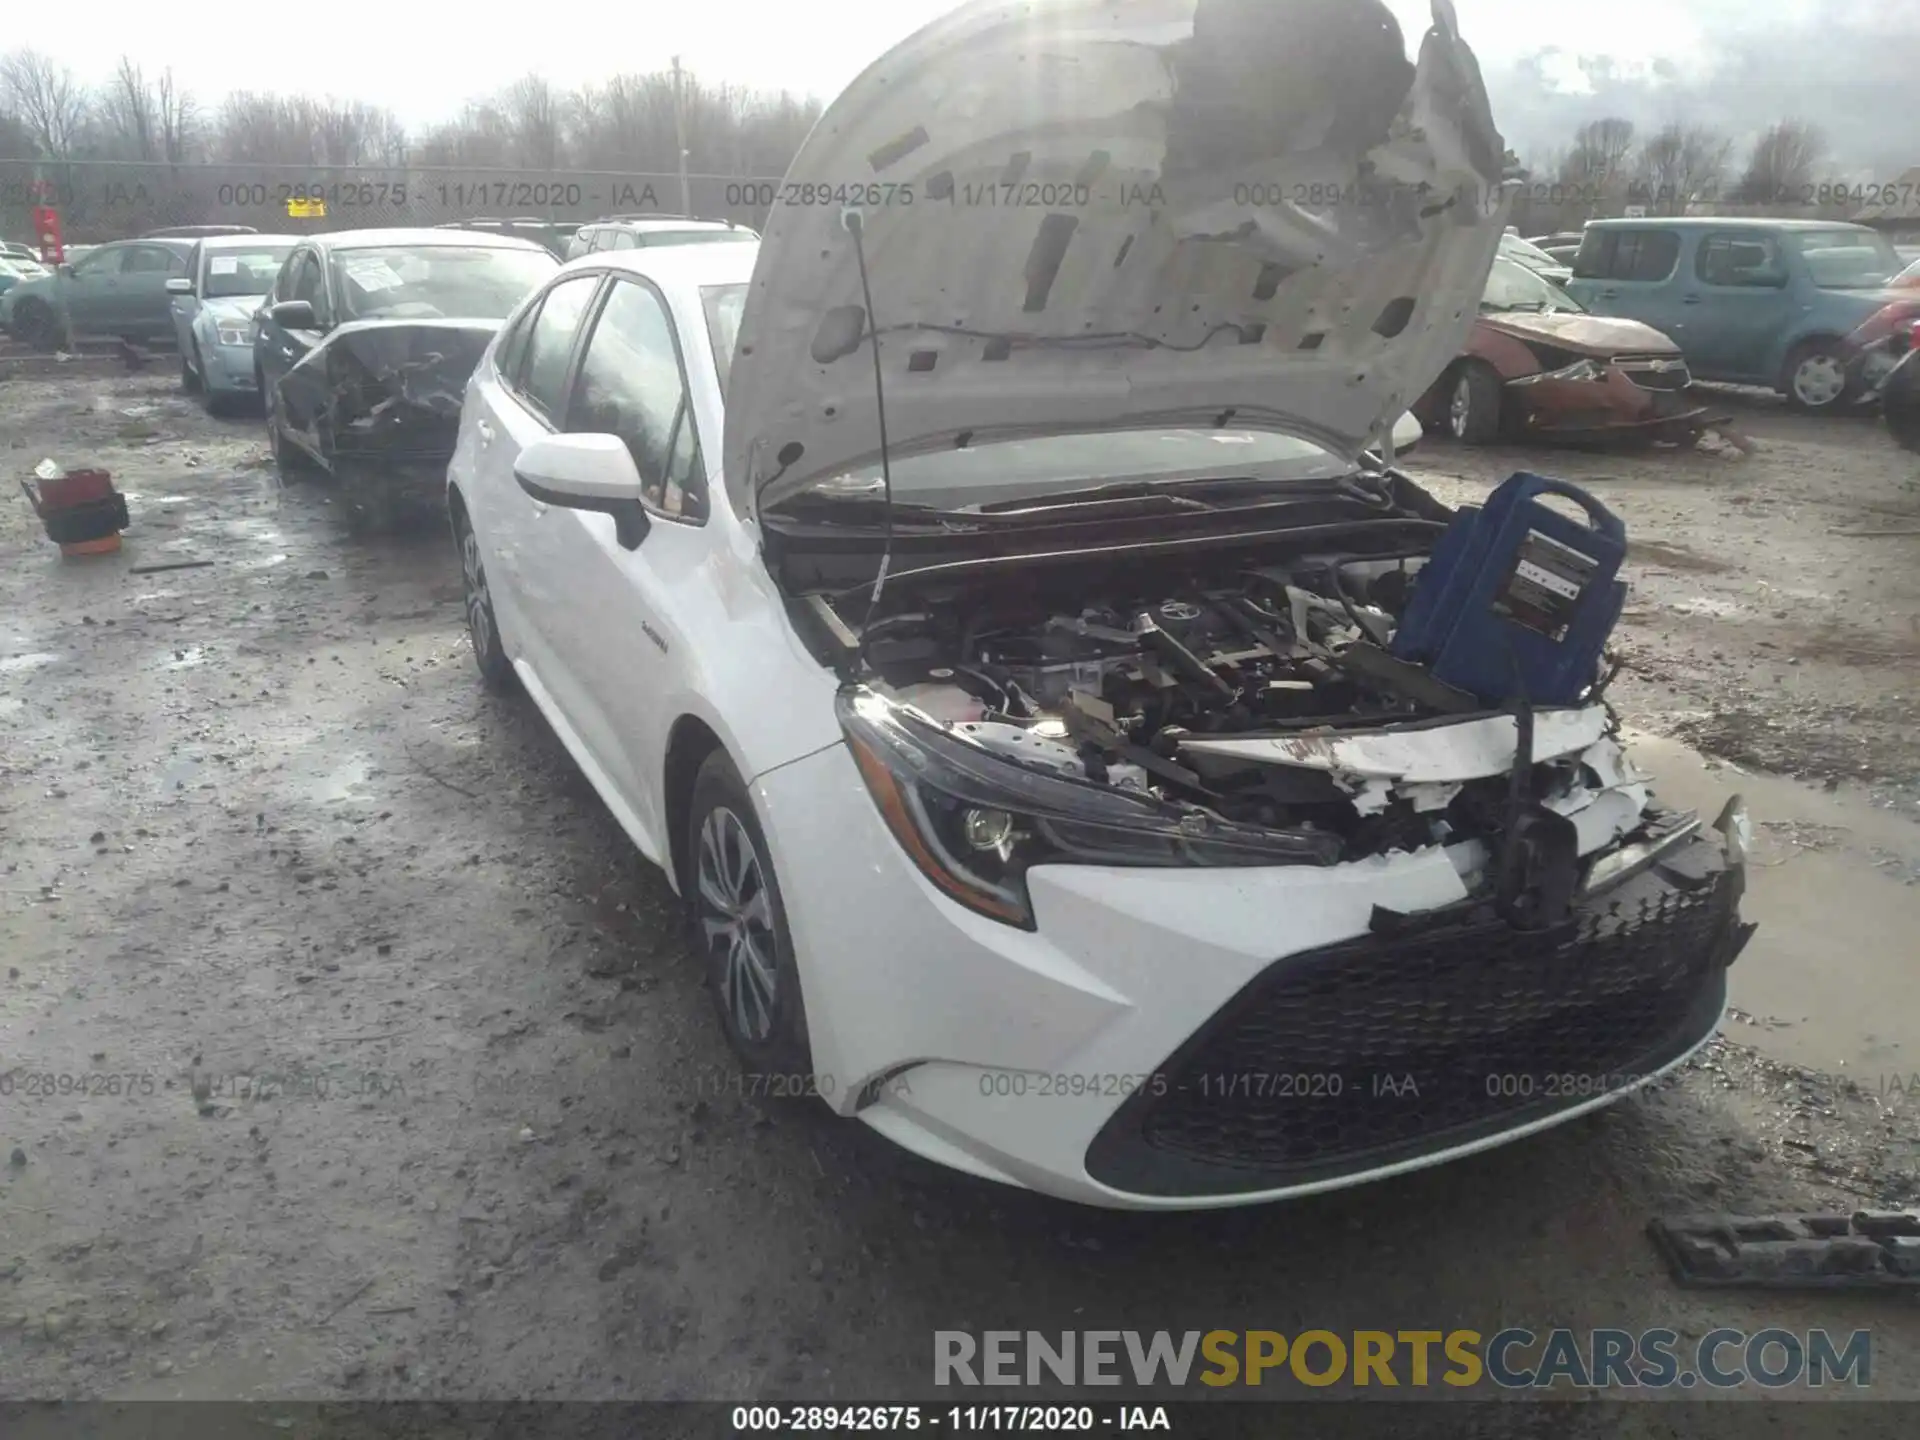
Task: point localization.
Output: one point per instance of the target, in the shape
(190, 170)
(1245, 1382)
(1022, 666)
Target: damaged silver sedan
(363, 349)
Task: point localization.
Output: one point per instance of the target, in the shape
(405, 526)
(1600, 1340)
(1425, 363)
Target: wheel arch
(1800, 342)
(689, 743)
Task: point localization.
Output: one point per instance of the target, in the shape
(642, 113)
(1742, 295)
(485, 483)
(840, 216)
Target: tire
(190, 380)
(1473, 404)
(1816, 377)
(483, 625)
(36, 324)
(1900, 403)
(739, 929)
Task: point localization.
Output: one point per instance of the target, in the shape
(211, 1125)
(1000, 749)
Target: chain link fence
(114, 200)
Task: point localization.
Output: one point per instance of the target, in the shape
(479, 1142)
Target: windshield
(1856, 259)
(243, 272)
(434, 282)
(723, 304)
(1032, 469)
(1511, 286)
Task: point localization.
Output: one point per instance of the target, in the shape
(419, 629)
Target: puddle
(180, 773)
(26, 662)
(184, 659)
(350, 780)
(1834, 956)
(265, 562)
(1702, 605)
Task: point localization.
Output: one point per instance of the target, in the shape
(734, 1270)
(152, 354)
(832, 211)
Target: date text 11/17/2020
(1033, 1419)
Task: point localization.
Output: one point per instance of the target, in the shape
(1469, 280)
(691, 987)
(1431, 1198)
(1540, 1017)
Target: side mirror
(179, 285)
(293, 315)
(587, 472)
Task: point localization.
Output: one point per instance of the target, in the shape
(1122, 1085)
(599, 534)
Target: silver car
(213, 313)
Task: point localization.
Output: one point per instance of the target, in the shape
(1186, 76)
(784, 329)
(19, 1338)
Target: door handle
(1609, 294)
(1690, 300)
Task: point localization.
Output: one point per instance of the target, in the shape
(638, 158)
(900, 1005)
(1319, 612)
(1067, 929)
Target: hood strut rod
(852, 220)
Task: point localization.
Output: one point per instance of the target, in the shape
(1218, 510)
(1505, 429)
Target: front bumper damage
(1610, 409)
(1205, 1038)
(1366, 1056)
(395, 392)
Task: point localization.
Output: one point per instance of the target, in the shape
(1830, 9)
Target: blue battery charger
(1518, 599)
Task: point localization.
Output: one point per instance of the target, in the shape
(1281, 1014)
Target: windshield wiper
(863, 513)
(1125, 490)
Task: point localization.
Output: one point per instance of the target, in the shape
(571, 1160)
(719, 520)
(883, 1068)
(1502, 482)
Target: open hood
(1099, 214)
(1601, 335)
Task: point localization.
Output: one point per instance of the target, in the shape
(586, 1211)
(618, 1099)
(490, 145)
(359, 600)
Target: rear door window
(102, 262)
(1740, 258)
(1646, 256)
(153, 260)
(543, 376)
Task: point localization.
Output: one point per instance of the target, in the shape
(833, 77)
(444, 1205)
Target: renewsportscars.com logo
(1512, 1359)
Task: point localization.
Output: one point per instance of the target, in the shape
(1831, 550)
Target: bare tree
(480, 139)
(130, 112)
(533, 116)
(1681, 164)
(15, 142)
(302, 130)
(178, 117)
(49, 102)
(1781, 163)
(1598, 158)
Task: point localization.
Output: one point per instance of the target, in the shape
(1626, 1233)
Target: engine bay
(1164, 687)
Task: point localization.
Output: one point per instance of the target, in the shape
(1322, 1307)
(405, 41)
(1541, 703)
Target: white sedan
(975, 597)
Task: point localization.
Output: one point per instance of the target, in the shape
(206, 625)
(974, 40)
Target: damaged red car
(1538, 366)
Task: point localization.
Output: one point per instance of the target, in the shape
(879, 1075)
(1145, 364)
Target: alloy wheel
(1460, 408)
(1819, 380)
(479, 602)
(736, 923)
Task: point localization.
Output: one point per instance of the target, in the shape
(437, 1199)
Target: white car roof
(670, 266)
(245, 242)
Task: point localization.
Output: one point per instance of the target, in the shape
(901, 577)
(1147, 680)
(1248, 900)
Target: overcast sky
(1548, 65)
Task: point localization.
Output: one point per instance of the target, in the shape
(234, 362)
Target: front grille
(1655, 373)
(1380, 1049)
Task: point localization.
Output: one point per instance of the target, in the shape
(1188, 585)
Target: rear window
(1645, 255)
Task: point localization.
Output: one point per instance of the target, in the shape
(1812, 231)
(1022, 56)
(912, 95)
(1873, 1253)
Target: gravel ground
(420, 1095)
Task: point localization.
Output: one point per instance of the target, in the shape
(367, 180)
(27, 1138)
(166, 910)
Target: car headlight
(235, 332)
(1581, 369)
(975, 822)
